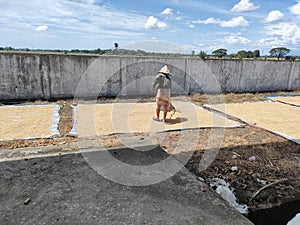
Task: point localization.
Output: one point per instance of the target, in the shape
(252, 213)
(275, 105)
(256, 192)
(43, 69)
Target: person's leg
(157, 113)
(165, 115)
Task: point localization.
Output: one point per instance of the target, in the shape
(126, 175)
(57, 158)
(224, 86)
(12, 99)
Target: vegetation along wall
(52, 76)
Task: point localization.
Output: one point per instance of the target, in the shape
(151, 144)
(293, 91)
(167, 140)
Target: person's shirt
(161, 81)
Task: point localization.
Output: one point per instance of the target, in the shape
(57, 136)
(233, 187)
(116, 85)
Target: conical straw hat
(165, 70)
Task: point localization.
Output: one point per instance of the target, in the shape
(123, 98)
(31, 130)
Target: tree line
(279, 52)
(93, 51)
(98, 51)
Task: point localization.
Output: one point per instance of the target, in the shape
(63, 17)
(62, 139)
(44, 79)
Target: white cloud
(70, 16)
(209, 21)
(289, 32)
(41, 28)
(162, 25)
(236, 39)
(191, 26)
(239, 21)
(270, 42)
(167, 11)
(151, 22)
(73, 23)
(154, 23)
(273, 16)
(295, 9)
(244, 6)
(282, 34)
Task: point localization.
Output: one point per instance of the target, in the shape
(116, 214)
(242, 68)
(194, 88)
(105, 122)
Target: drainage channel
(280, 215)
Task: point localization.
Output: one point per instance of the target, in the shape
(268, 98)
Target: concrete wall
(40, 76)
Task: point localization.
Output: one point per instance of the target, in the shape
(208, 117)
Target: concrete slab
(28, 121)
(66, 190)
(104, 119)
(278, 118)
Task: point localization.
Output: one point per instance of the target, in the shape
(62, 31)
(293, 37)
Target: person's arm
(157, 82)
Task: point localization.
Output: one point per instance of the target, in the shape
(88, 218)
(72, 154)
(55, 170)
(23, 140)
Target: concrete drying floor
(104, 119)
(276, 117)
(28, 121)
(66, 190)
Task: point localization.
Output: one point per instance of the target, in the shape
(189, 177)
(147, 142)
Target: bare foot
(156, 119)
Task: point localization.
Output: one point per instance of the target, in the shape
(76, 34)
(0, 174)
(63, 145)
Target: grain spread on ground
(28, 121)
(103, 119)
(293, 100)
(274, 116)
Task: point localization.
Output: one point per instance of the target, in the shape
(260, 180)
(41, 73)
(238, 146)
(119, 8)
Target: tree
(202, 54)
(242, 54)
(75, 50)
(291, 58)
(256, 53)
(233, 55)
(279, 52)
(220, 52)
(248, 54)
(116, 47)
(8, 48)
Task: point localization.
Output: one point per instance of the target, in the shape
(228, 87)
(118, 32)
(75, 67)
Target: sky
(153, 25)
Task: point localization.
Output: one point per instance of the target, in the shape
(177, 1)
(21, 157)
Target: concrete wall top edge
(145, 57)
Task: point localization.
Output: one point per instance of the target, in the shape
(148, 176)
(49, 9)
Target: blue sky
(156, 25)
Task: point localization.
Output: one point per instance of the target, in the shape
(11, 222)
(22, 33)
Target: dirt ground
(260, 166)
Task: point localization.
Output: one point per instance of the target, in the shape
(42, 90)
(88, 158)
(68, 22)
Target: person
(162, 87)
